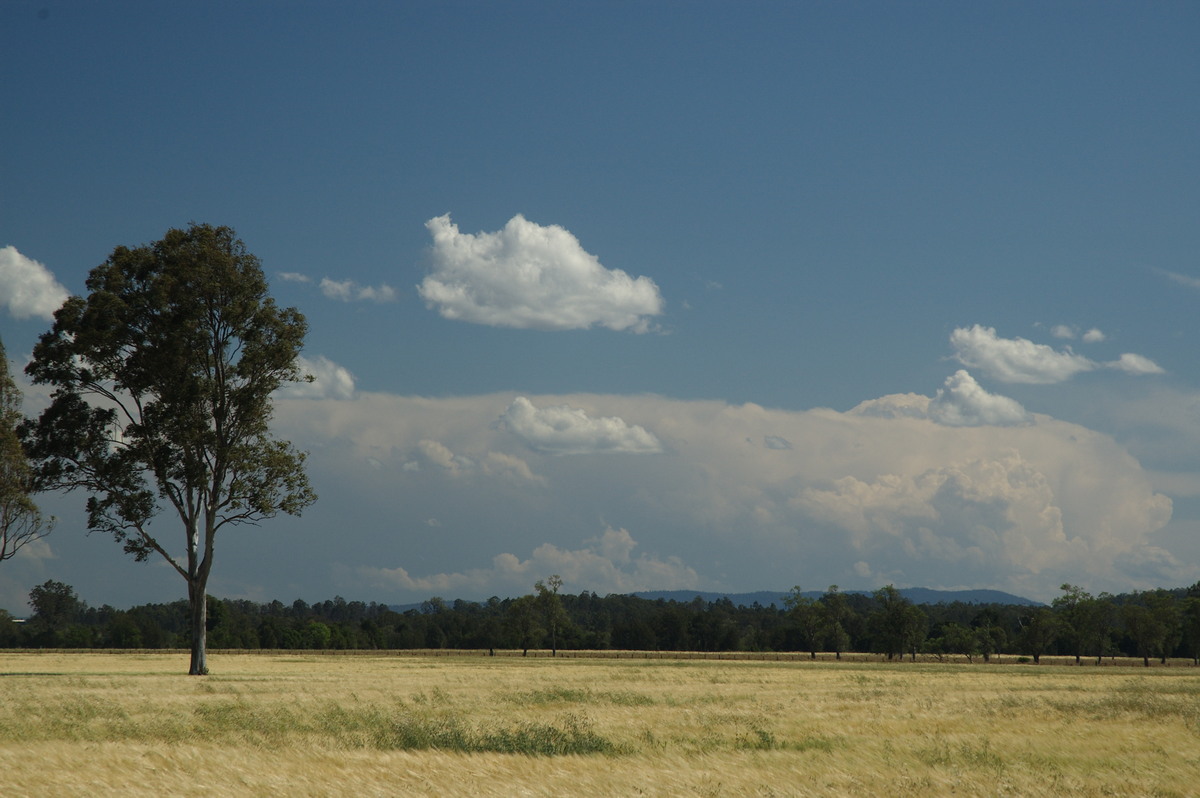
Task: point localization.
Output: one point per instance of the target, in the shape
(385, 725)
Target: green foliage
(1087, 620)
(21, 522)
(162, 381)
(1038, 632)
(614, 621)
(549, 604)
(809, 617)
(897, 624)
(56, 608)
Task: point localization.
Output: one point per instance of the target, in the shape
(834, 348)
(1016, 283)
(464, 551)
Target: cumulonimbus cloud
(27, 287)
(561, 429)
(883, 490)
(1019, 360)
(531, 276)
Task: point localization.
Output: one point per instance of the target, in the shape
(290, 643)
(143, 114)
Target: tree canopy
(162, 378)
(21, 522)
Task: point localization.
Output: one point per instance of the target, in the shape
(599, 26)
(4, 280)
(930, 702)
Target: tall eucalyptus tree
(162, 379)
(21, 522)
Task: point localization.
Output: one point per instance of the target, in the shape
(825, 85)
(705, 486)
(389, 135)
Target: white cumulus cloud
(1022, 361)
(329, 380)
(531, 276)
(1136, 364)
(561, 429)
(1015, 359)
(27, 287)
(1181, 279)
(350, 291)
(1092, 336)
(1062, 331)
(962, 402)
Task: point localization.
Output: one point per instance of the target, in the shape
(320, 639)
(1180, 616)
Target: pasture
(267, 724)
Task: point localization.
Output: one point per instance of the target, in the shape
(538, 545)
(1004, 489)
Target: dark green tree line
(1150, 625)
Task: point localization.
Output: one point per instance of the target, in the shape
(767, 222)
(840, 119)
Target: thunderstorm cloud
(962, 488)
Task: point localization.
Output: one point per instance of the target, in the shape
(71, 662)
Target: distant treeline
(1149, 625)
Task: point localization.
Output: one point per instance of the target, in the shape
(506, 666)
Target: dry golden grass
(309, 725)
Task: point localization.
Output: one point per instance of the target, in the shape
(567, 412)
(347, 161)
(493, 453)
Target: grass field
(314, 725)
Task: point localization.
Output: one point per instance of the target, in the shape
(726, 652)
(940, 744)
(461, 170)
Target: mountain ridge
(917, 595)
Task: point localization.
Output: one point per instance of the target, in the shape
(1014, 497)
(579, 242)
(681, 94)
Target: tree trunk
(198, 600)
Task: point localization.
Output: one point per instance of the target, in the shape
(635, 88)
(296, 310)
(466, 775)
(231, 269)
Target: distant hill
(917, 595)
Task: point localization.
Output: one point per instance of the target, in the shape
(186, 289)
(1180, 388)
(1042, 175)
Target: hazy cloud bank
(605, 565)
(906, 488)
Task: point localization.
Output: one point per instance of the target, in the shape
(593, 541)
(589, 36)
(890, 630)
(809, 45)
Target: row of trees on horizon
(1158, 625)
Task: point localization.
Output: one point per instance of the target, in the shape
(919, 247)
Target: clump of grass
(565, 695)
(941, 753)
(572, 734)
(816, 742)
(757, 738)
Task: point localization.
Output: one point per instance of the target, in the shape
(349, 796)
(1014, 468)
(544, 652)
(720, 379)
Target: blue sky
(655, 295)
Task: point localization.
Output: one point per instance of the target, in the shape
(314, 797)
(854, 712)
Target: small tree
(1087, 620)
(989, 632)
(1189, 615)
(21, 522)
(1151, 621)
(899, 626)
(162, 380)
(521, 621)
(959, 639)
(55, 605)
(837, 615)
(554, 616)
(1166, 612)
(808, 617)
(1039, 631)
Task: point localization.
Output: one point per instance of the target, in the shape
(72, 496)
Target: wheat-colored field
(315, 725)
